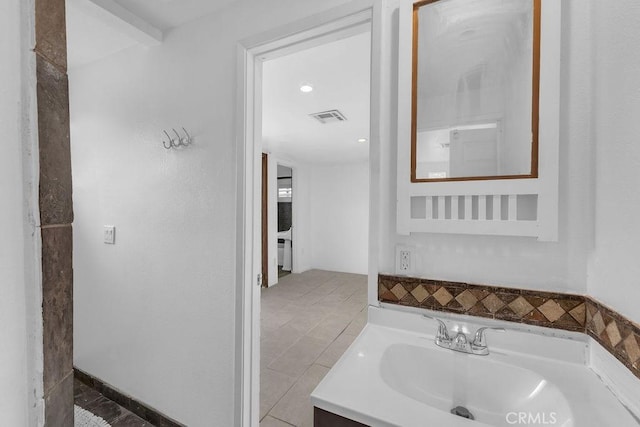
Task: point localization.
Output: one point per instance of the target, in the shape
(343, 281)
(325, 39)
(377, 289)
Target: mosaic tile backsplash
(619, 335)
(570, 312)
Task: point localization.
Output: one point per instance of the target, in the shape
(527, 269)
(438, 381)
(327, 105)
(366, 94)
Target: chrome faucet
(461, 342)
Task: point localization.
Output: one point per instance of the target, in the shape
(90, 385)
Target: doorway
(332, 29)
(285, 220)
(309, 317)
(277, 220)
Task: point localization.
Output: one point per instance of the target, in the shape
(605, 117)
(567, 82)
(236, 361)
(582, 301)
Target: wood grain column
(56, 211)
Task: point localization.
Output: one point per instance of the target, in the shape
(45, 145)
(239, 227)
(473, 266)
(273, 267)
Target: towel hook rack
(178, 141)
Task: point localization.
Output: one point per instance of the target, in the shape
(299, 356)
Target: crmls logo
(531, 418)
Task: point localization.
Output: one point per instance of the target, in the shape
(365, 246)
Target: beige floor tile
(308, 321)
(288, 294)
(273, 385)
(274, 319)
(350, 309)
(310, 299)
(295, 407)
(277, 342)
(300, 356)
(331, 302)
(273, 422)
(330, 327)
(335, 350)
(357, 324)
(334, 298)
(303, 323)
(344, 290)
(357, 299)
(327, 287)
(321, 273)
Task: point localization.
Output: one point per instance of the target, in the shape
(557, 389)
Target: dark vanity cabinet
(322, 418)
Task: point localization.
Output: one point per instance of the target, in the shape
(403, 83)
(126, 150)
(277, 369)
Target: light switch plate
(110, 234)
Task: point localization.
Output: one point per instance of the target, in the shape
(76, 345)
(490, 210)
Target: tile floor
(308, 321)
(111, 412)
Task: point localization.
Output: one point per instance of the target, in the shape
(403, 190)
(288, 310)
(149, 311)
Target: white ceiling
(166, 14)
(339, 72)
(92, 36)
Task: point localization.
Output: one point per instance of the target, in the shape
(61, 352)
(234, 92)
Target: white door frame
(303, 34)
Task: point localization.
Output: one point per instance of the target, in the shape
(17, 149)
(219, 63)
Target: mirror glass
(475, 89)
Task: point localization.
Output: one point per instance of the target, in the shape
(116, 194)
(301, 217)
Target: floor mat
(84, 418)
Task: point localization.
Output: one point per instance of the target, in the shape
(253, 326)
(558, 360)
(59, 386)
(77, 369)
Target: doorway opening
(277, 220)
(285, 220)
(315, 121)
(315, 130)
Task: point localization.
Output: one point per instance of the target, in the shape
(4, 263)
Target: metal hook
(188, 136)
(170, 141)
(178, 138)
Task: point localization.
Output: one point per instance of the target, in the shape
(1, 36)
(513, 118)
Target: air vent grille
(330, 116)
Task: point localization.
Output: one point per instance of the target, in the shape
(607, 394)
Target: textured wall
(155, 313)
(339, 217)
(614, 268)
(13, 333)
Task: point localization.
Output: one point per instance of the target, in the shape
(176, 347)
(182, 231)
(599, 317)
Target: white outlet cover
(399, 263)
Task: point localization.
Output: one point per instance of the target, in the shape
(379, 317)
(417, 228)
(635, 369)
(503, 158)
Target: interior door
(473, 152)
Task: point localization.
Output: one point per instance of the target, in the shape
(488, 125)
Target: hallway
(308, 321)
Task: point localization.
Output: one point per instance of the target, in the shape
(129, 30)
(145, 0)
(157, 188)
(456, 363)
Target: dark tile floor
(94, 402)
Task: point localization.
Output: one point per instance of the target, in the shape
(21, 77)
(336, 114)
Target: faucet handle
(479, 338)
(443, 332)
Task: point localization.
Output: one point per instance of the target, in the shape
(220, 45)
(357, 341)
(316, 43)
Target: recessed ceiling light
(306, 88)
(362, 139)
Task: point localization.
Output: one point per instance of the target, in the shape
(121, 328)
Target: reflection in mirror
(475, 89)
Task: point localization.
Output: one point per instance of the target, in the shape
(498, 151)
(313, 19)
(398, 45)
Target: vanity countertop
(358, 387)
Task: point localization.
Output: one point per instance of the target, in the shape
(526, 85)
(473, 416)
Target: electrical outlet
(110, 234)
(405, 261)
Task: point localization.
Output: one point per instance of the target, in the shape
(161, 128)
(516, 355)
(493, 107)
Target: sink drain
(463, 412)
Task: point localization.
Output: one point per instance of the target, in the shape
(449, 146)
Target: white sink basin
(495, 393)
(393, 375)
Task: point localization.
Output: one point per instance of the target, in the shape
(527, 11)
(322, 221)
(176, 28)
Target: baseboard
(142, 410)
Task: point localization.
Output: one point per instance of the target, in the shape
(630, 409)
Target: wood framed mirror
(475, 90)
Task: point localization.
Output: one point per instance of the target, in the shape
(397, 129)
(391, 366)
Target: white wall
(512, 261)
(154, 314)
(614, 270)
(20, 304)
(13, 366)
(301, 233)
(339, 201)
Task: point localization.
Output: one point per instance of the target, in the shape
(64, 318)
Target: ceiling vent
(331, 116)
